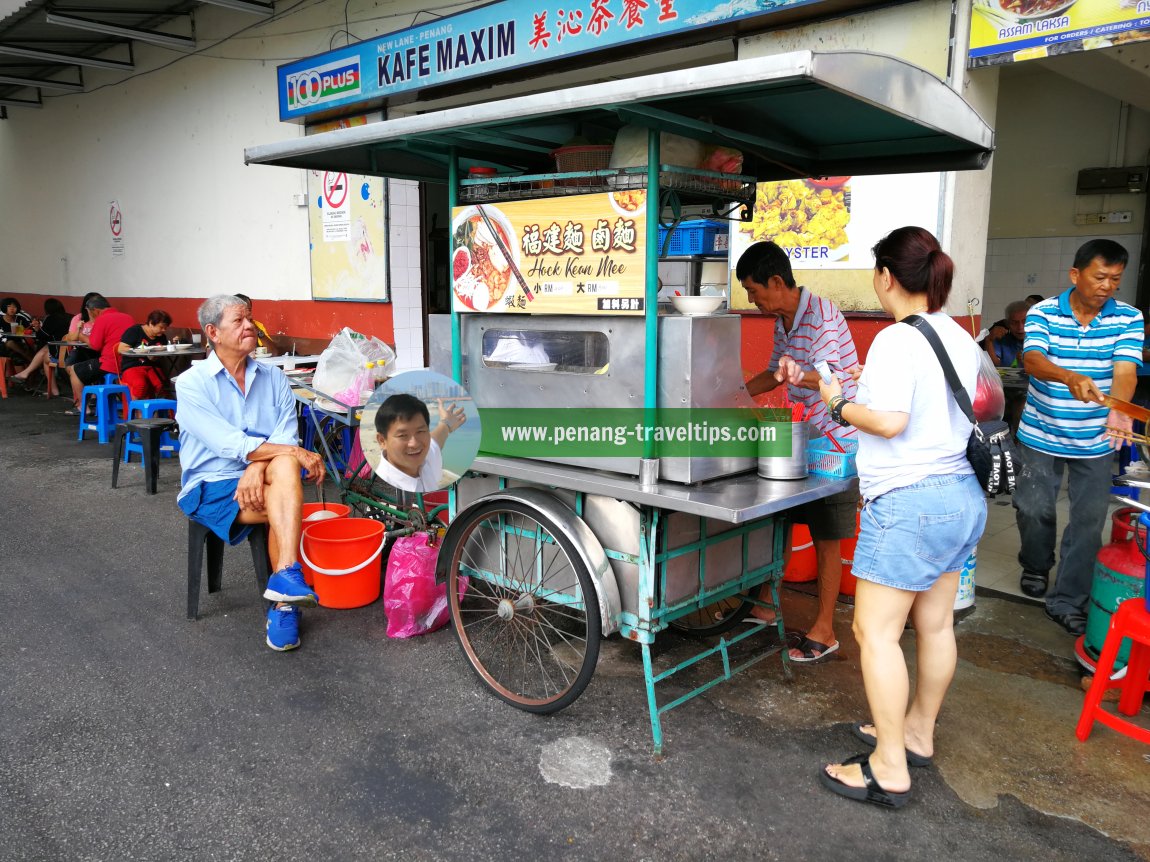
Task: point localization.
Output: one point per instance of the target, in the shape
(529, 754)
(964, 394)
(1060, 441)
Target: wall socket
(300, 200)
(1104, 218)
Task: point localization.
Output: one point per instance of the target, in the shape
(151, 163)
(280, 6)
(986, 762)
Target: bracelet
(835, 408)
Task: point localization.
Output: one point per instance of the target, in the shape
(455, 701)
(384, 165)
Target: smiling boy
(412, 454)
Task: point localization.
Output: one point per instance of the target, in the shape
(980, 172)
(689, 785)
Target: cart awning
(803, 114)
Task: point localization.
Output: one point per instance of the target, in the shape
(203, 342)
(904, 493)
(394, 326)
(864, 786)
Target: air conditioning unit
(1108, 181)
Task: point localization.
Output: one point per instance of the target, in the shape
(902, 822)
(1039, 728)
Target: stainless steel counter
(735, 499)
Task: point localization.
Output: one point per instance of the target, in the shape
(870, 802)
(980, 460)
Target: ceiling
(46, 46)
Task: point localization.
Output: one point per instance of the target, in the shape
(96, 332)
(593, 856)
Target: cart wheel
(527, 617)
(714, 619)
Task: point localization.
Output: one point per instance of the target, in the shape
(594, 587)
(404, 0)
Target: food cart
(546, 555)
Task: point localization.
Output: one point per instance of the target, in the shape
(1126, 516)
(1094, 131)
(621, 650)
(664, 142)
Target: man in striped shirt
(807, 329)
(1080, 346)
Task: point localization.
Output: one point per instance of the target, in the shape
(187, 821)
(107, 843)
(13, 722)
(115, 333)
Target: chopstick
(1128, 436)
(506, 252)
(835, 442)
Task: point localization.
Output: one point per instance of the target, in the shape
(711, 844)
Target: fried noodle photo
(481, 272)
(794, 214)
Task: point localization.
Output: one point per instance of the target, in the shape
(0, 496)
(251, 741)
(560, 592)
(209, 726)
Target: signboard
(581, 254)
(116, 228)
(1006, 31)
(499, 37)
(828, 226)
(347, 231)
(334, 207)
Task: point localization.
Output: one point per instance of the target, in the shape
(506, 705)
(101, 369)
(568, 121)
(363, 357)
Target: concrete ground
(130, 733)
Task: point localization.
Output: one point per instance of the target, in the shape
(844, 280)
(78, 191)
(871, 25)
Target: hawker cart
(546, 555)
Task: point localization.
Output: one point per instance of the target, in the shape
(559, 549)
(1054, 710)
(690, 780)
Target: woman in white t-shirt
(923, 513)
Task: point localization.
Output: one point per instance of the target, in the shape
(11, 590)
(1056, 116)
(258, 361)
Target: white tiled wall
(1018, 267)
(407, 304)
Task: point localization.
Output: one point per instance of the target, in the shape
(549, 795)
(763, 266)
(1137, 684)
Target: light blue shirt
(220, 425)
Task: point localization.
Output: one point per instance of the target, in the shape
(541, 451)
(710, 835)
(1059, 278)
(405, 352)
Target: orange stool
(5, 367)
(1131, 621)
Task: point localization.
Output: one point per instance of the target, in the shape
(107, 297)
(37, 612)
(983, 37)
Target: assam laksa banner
(1008, 31)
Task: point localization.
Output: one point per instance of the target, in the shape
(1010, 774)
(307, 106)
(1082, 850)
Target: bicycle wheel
(527, 617)
(714, 619)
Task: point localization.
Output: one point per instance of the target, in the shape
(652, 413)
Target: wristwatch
(835, 408)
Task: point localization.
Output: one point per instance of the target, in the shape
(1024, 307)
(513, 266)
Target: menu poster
(1007, 31)
(827, 226)
(577, 254)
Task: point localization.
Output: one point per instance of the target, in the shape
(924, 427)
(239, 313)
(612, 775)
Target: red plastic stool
(5, 367)
(1130, 621)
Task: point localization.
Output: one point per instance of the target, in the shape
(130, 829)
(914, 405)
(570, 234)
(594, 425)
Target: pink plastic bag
(413, 602)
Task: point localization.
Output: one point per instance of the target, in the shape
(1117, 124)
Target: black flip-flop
(874, 793)
(808, 648)
(913, 758)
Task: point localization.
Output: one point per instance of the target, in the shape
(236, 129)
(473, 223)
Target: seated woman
(14, 321)
(53, 328)
(143, 377)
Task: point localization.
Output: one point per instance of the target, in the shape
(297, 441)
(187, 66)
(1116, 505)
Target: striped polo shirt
(819, 332)
(1054, 421)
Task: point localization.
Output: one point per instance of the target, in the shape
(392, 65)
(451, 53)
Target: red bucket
(341, 556)
(309, 509)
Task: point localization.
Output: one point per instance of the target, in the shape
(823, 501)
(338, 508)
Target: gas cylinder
(1119, 574)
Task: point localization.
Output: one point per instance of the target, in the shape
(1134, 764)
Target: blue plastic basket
(825, 460)
(691, 237)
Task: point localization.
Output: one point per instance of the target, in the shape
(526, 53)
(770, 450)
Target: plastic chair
(106, 418)
(1130, 621)
(5, 370)
(149, 408)
(149, 432)
(200, 536)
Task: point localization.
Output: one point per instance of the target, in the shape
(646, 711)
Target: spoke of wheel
(550, 625)
(547, 645)
(546, 677)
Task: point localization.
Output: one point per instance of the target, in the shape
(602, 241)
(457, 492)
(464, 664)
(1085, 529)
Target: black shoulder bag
(990, 449)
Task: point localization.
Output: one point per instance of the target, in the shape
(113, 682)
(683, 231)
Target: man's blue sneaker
(283, 628)
(288, 586)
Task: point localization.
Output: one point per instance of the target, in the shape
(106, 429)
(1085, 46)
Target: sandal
(873, 792)
(813, 651)
(1034, 584)
(913, 758)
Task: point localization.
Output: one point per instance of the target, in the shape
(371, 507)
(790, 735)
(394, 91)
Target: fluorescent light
(53, 57)
(42, 82)
(243, 6)
(166, 40)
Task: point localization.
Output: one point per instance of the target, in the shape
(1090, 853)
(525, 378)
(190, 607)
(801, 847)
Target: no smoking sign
(116, 226)
(335, 189)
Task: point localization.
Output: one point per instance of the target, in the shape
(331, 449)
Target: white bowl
(692, 305)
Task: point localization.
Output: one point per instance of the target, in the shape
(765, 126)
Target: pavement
(131, 733)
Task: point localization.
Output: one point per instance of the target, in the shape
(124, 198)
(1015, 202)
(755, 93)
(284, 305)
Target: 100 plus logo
(323, 84)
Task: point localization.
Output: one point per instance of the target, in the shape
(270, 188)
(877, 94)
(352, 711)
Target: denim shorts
(910, 536)
(214, 505)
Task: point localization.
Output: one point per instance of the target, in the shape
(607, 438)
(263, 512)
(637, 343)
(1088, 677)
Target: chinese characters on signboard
(498, 37)
(573, 255)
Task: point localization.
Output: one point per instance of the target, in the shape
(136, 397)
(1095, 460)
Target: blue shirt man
(1080, 346)
(241, 465)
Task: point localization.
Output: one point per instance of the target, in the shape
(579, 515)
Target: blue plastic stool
(107, 417)
(151, 408)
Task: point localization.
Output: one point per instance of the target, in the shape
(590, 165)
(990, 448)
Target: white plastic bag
(343, 360)
(631, 149)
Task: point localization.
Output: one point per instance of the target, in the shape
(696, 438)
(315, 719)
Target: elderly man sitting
(241, 465)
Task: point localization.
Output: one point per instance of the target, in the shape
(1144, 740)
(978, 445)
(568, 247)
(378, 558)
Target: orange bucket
(341, 556)
(802, 565)
(309, 509)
